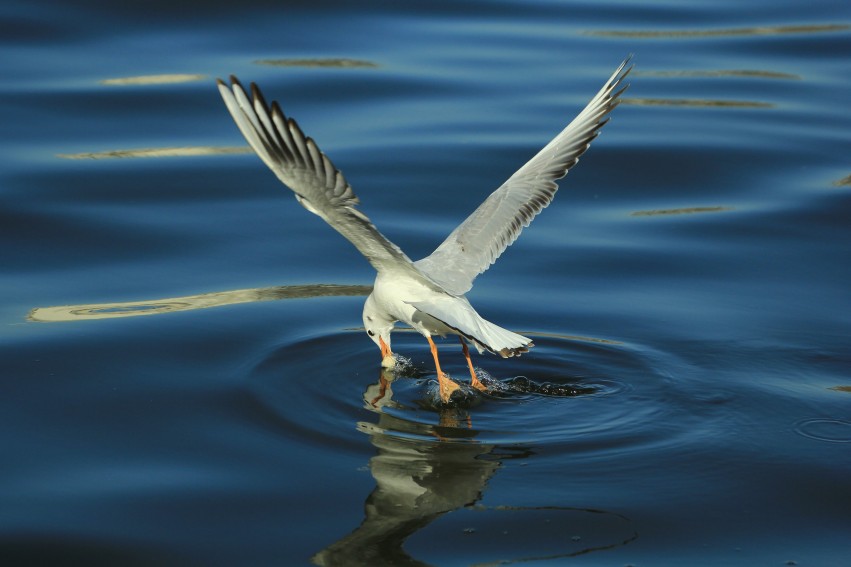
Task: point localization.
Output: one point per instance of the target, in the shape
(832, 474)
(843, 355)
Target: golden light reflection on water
(153, 79)
(89, 311)
(683, 211)
(718, 73)
(844, 182)
(696, 102)
(160, 152)
(190, 302)
(688, 34)
(320, 62)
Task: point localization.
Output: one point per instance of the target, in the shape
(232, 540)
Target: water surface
(184, 379)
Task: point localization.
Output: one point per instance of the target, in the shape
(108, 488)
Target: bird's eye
(370, 333)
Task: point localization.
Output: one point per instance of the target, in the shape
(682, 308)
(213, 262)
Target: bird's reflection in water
(421, 471)
(416, 481)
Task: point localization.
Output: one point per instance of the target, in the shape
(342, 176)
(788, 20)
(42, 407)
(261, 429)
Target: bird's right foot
(447, 387)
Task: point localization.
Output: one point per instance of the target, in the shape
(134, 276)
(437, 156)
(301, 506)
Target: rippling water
(184, 377)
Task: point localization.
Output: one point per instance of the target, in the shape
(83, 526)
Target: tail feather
(460, 316)
(502, 341)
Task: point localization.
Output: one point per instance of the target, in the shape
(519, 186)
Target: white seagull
(427, 294)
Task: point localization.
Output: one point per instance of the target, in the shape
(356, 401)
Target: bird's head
(378, 326)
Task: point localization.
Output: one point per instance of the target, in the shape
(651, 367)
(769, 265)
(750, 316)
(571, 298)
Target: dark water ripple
(581, 395)
(830, 430)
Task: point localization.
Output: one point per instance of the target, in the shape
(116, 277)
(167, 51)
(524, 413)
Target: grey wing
(477, 242)
(318, 185)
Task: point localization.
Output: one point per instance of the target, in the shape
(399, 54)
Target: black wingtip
(235, 82)
(624, 70)
(616, 97)
(258, 96)
(275, 110)
(626, 66)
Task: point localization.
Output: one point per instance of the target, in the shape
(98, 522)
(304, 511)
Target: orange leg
(383, 384)
(447, 386)
(475, 380)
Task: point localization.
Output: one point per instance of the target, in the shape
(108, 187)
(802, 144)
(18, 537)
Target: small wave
(825, 429)
(526, 401)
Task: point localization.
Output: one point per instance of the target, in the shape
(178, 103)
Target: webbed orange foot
(447, 387)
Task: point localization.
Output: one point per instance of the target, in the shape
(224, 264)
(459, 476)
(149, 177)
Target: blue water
(184, 379)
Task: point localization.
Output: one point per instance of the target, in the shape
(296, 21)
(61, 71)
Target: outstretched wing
(317, 184)
(477, 242)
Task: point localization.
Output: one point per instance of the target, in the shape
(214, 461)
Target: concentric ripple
(588, 393)
(824, 429)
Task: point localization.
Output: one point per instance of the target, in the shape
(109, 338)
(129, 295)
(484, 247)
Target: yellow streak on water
(844, 182)
(338, 63)
(716, 73)
(696, 102)
(153, 80)
(683, 211)
(159, 152)
(752, 31)
(190, 302)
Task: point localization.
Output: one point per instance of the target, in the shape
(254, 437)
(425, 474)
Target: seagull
(429, 294)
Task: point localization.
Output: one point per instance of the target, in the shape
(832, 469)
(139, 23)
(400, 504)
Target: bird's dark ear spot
(370, 333)
(368, 318)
